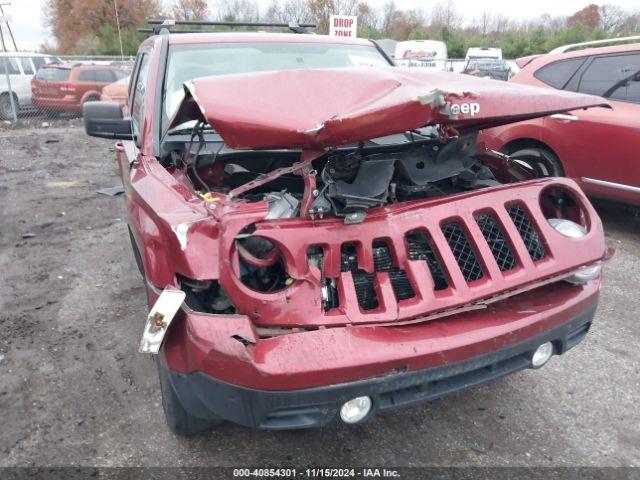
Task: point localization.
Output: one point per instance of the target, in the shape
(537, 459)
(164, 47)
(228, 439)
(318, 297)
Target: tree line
(89, 27)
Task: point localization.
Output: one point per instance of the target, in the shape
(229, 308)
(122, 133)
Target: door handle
(564, 117)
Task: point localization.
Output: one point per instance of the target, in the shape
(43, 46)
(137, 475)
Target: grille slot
(496, 240)
(462, 251)
(362, 281)
(421, 248)
(527, 231)
(365, 290)
(399, 279)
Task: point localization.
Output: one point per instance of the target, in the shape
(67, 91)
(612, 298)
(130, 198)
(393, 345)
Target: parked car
(337, 247)
(487, 68)
(21, 66)
(67, 87)
(116, 91)
(598, 147)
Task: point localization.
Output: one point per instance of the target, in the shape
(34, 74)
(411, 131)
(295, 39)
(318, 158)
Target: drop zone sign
(343, 26)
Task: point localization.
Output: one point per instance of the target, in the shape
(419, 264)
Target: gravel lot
(74, 391)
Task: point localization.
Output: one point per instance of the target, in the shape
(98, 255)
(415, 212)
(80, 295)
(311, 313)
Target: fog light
(355, 409)
(584, 274)
(542, 355)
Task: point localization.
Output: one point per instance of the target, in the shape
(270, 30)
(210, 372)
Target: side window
(137, 105)
(27, 68)
(120, 74)
(38, 62)
(87, 76)
(558, 74)
(9, 64)
(104, 76)
(613, 76)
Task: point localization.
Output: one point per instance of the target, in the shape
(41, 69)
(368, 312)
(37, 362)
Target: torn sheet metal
(322, 108)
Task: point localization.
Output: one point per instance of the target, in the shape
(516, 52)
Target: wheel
(541, 161)
(180, 421)
(6, 109)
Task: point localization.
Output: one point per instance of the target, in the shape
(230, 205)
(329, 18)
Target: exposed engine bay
(347, 182)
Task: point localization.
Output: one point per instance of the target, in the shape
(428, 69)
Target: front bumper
(302, 383)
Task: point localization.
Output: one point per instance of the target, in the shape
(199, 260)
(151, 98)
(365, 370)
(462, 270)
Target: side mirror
(105, 120)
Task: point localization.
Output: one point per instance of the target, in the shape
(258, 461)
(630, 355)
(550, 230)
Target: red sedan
(598, 147)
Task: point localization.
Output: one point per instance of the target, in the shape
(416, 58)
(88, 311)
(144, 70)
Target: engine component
(355, 183)
(328, 290)
(441, 169)
(281, 205)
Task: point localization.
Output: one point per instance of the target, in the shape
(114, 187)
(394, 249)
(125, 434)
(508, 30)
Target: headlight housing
(572, 229)
(568, 228)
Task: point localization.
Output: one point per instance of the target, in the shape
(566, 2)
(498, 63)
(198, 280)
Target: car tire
(541, 161)
(179, 420)
(6, 109)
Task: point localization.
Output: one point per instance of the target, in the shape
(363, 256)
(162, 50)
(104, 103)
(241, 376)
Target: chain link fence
(39, 89)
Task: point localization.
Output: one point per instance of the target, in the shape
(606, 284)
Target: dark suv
(66, 87)
(321, 237)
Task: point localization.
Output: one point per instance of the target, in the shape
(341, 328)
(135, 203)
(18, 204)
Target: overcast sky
(28, 21)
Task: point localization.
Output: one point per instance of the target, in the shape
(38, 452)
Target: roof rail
(566, 48)
(164, 26)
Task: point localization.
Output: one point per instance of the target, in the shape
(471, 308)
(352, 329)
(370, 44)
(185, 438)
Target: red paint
(69, 94)
(299, 305)
(273, 110)
(317, 108)
(199, 342)
(602, 144)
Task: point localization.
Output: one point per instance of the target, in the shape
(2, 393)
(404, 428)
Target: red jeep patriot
(321, 236)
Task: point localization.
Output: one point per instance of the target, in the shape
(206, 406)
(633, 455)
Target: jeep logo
(465, 108)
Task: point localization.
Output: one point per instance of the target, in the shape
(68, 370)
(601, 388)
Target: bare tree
(388, 14)
(367, 16)
(444, 14)
(189, 9)
(484, 23)
(612, 17)
(239, 10)
(289, 11)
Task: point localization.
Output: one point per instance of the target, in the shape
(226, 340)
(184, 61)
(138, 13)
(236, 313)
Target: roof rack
(164, 26)
(566, 48)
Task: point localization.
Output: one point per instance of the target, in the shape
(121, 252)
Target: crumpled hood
(319, 108)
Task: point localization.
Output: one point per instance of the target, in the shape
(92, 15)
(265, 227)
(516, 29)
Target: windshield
(192, 61)
(53, 74)
(486, 64)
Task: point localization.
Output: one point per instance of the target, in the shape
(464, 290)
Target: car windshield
(192, 61)
(53, 74)
(486, 64)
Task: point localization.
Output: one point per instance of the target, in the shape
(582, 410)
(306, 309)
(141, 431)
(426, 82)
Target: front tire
(179, 420)
(542, 162)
